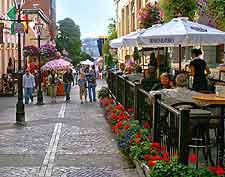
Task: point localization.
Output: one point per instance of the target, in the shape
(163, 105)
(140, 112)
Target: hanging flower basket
(31, 51)
(48, 51)
(149, 15)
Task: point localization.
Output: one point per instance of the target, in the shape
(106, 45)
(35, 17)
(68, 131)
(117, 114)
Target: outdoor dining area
(183, 119)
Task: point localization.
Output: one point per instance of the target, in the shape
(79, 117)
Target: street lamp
(39, 94)
(20, 113)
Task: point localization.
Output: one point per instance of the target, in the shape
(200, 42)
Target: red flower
(156, 145)
(147, 125)
(166, 156)
(138, 135)
(212, 169)
(147, 157)
(126, 127)
(163, 148)
(156, 157)
(219, 171)
(151, 163)
(193, 158)
(137, 141)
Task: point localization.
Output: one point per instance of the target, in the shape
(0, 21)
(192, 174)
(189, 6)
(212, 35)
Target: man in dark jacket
(68, 79)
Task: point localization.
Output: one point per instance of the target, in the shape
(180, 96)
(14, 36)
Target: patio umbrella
(87, 62)
(117, 43)
(57, 64)
(181, 32)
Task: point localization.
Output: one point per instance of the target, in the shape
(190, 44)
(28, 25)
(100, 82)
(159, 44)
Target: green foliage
(112, 34)
(175, 169)
(103, 92)
(174, 8)
(69, 38)
(136, 54)
(85, 56)
(216, 9)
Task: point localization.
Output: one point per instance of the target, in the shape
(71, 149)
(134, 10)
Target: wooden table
(212, 99)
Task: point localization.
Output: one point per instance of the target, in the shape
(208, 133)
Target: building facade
(9, 47)
(127, 22)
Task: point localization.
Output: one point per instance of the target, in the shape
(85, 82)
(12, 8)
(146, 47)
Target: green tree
(136, 54)
(85, 56)
(112, 34)
(216, 9)
(174, 8)
(69, 38)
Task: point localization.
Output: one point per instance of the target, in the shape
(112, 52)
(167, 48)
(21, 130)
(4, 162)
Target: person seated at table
(121, 70)
(178, 94)
(165, 82)
(150, 79)
(137, 76)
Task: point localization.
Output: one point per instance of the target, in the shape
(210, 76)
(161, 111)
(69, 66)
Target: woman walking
(52, 81)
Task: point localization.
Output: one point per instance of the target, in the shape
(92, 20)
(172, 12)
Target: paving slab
(60, 140)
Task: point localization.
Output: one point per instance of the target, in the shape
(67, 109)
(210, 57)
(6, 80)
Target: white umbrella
(87, 62)
(181, 31)
(117, 43)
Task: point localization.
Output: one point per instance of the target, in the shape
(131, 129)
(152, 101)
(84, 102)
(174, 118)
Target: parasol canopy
(57, 64)
(181, 31)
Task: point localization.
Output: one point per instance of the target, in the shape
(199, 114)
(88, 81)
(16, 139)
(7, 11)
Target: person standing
(199, 71)
(82, 82)
(52, 82)
(91, 78)
(68, 80)
(28, 85)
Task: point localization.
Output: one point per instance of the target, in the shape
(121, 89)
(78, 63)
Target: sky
(91, 15)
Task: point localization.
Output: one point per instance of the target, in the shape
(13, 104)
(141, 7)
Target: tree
(175, 8)
(136, 54)
(85, 56)
(112, 34)
(68, 38)
(216, 9)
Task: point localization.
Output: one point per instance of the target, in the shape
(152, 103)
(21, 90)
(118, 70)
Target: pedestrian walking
(68, 80)
(91, 78)
(52, 84)
(82, 82)
(28, 85)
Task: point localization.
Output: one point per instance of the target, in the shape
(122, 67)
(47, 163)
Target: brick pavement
(60, 140)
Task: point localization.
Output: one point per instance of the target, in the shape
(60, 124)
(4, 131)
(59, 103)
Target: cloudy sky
(91, 15)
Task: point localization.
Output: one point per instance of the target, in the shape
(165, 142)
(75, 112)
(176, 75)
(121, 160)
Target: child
(82, 82)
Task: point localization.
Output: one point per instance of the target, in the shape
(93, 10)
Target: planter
(142, 168)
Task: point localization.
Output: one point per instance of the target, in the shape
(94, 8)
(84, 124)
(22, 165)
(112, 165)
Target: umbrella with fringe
(57, 64)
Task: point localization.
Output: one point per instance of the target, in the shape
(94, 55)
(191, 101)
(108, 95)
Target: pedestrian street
(59, 140)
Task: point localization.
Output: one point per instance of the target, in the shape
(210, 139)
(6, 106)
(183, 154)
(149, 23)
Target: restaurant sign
(1, 32)
(199, 29)
(161, 40)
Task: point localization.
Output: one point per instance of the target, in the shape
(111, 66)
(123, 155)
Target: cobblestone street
(60, 140)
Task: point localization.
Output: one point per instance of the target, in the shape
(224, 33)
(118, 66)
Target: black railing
(171, 126)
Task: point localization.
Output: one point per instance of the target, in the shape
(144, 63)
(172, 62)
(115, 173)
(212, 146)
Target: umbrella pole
(143, 60)
(180, 58)
(158, 62)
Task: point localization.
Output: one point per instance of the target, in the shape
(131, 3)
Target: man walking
(28, 85)
(68, 79)
(91, 78)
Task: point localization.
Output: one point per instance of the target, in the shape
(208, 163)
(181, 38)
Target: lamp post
(39, 94)
(20, 113)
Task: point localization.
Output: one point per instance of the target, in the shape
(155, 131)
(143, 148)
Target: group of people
(198, 70)
(86, 80)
